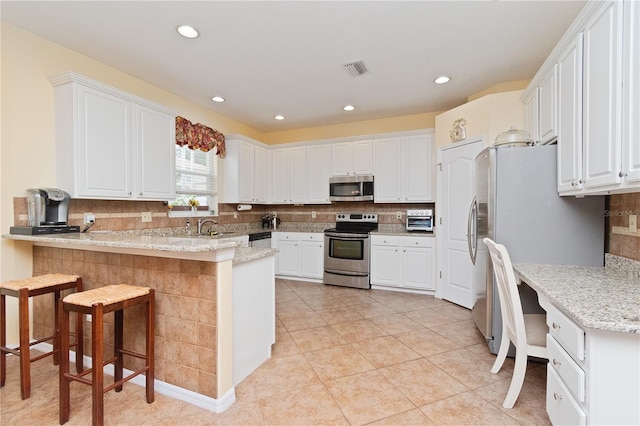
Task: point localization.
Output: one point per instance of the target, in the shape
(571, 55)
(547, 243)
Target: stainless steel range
(347, 248)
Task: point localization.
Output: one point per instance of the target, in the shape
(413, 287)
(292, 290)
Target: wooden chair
(97, 302)
(24, 289)
(526, 332)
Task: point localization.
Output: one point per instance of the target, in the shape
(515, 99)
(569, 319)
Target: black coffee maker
(48, 212)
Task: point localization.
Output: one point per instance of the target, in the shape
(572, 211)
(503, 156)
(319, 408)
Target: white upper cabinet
(630, 172)
(352, 158)
(570, 116)
(602, 90)
(548, 119)
(318, 173)
(597, 65)
(288, 175)
(532, 114)
(244, 172)
(110, 144)
(404, 169)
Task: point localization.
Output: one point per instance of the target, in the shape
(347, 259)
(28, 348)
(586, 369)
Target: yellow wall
(487, 116)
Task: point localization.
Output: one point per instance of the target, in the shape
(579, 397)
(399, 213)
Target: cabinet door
(312, 256)
(362, 157)
(104, 154)
(548, 104)
(418, 166)
(280, 175)
(531, 115)
(385, 265)
(246, 169)
(259, 172)
(602, 96)
(155, 140)
(289, 255)
(417, 267)
(631, 96)
(570, 117)
(388, 169)
(341, 159)
(297, 171)
(318, 173)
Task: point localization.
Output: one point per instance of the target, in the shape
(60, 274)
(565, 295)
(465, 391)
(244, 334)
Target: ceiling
(286, 57)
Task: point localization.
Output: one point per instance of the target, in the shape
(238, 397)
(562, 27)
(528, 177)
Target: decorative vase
(194, 210)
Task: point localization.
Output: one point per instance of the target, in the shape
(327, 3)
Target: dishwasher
(260, 239)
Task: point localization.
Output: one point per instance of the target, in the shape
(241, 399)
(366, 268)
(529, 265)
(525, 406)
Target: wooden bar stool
(23, 290)
(97, 302)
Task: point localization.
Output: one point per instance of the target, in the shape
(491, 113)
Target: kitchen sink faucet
(203, 220)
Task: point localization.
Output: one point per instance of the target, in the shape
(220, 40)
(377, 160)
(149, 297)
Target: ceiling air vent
(356, 69)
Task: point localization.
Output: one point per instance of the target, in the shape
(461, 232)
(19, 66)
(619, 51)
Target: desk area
(593, 314)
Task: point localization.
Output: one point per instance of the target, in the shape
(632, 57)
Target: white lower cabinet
(592, 374)
(403, 262)
(301, 254)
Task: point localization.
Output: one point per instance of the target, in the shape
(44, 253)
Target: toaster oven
(420, 220)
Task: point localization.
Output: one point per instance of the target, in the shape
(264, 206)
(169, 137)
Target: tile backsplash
(619, 208)
(127, 215)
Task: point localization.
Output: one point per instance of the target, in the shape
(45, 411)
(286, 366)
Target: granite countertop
(405, 233)
(603, 298)
(125, 240)
(246, 254)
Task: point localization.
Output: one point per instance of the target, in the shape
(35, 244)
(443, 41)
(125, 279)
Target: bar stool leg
(3, 339)
(64, 383)
(150, 348)
(56, 330)
(117, 347)
(97, 353)
(25, 354)
(79, 334)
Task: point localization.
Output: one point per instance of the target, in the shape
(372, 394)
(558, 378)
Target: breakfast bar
(203, 288)
(593, 344)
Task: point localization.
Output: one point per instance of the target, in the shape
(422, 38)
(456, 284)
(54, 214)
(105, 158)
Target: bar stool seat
(23, 289)
(97, 302)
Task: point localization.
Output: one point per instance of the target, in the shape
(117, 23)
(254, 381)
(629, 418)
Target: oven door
(346, 253)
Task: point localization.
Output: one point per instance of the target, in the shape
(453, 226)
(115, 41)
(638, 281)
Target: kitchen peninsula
(205, 287)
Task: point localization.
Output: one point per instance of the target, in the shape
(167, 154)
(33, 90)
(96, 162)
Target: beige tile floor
(342, 357)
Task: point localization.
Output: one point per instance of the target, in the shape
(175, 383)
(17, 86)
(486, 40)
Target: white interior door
(455, 194)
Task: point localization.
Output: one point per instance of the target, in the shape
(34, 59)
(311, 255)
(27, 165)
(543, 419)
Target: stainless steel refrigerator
(516, 203)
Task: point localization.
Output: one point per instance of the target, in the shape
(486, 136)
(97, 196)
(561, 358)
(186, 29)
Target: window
(196, 182)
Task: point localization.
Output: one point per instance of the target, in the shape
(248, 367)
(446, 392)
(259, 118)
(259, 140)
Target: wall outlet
(313, 214)
(88, 317)
(398, 215)
(235, 215)
(633, 223)
(89, 218)
(146, 216)
(275, 214)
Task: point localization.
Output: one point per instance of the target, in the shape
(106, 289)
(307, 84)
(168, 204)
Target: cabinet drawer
(570, 336)
(288, 236)
(561, 407)
(312, 237)
(385, 240)
(571, 374)
(417, 242)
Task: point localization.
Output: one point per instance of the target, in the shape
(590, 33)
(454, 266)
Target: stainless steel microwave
(351, 188)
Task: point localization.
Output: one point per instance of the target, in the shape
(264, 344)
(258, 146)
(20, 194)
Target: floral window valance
(199, 136)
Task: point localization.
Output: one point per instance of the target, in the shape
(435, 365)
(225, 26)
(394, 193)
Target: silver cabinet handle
(556, 363)
(555, 326)
(574, 183)
(140, 193)
(557, 396)
(622, 174)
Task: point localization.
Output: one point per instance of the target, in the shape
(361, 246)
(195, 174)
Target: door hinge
(441, 221)
(439, 166)
(440, 274)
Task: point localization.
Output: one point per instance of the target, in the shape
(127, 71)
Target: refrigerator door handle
(472, 240)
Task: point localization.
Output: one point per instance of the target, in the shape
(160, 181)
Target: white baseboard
(212, 404)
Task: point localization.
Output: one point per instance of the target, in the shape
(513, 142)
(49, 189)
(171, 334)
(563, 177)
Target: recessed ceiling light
(279, 117)
(442, 79)
(187, 31)
(349, 108)
(217, 99)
